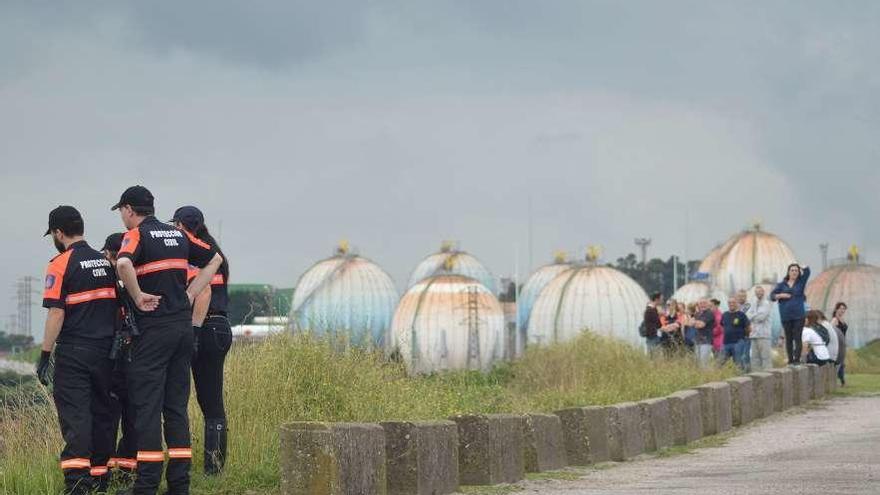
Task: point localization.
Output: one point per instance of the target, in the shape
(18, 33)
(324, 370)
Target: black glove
(43, 368)
(196, 332)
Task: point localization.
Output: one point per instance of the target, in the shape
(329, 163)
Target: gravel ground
(833, 448)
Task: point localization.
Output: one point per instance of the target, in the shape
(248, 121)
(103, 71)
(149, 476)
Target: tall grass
(864, 360)
(295, 378)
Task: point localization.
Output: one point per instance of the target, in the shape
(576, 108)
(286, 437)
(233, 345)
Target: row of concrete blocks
(435, 457)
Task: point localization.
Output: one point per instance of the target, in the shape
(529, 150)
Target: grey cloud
(399, 124)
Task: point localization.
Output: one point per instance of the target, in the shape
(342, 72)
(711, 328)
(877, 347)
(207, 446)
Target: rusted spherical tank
(856, 284)
(452, 261)
(747, 259)
(448, 322)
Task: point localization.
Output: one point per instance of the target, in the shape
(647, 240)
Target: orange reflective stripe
(99, 471)
(195, 240)
(76, 464)
(91, 295)
(158, 266)
(182, 453)
(151, 456)
(123, 463)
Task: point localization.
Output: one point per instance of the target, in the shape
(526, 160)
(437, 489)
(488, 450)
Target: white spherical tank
(535, 284)
(857, 285)
(750, 258)
(345, 295)
(589, 297)
(451, 261)
(448, 322)
(692, 292)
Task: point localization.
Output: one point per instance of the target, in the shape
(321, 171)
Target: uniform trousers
(159, 383)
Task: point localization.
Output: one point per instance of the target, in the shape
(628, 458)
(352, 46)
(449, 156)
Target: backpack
(643, 330)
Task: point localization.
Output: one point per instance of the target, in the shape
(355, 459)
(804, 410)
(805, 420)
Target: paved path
(831, 448)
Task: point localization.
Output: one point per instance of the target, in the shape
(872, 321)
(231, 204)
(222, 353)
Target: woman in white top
(815, 339)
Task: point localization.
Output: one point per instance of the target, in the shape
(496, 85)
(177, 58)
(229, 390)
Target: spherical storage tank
(535, 284)
(692, 292)
(749, 258)
(345, 295)
(856, 284)
(454, 262)
(588, 297)
(448, 322)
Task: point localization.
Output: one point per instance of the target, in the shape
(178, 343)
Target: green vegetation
(295, 378)
(860, 385)
(249, 300)
(864, 360)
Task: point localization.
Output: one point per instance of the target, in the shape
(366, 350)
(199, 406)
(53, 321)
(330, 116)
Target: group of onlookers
(743, 333)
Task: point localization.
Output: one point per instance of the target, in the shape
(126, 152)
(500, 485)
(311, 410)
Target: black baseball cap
(66, 218)
(113, 243)
(190, 216)
(135, 196)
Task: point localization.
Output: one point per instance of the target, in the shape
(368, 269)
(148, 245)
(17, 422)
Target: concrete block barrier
(625, 431)
(817, 380)
(657, 431)
(715, 403)
(586, 435)
(687, 416)
(742, 392)
(784, 387)
(422, 457)
(831, 374)
(544, 443)
(803, 388)
(332, 459)
(765, 394)
(490, 449)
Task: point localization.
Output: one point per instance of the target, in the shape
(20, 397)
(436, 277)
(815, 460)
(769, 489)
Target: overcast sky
(398, 124)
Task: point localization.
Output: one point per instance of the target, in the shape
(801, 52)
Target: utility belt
(99, 344)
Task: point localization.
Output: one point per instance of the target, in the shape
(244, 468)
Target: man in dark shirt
(704, 322)
(80, 294)
(652, 321)
(736, 331)
(153, 262)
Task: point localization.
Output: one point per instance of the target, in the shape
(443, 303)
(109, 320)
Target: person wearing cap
(124, 459)
(153, 262)
(214, 337)
(80, 294)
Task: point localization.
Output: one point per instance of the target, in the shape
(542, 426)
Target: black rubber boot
(215, 446)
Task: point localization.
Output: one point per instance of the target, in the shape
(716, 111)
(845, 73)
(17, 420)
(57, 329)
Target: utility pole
(473, 311)
(643, 243)
(824, 248)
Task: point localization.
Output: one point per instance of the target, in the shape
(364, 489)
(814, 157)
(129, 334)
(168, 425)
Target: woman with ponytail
(213, 338)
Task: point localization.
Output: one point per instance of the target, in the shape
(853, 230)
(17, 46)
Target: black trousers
(82, 398)
(125, 455)
(794, 330)
(215, 339)
(158, 385)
